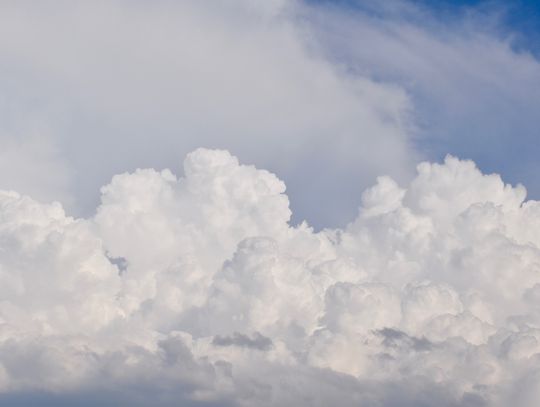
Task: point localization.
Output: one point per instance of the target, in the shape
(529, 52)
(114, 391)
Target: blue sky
(499, 129)
(519, 17)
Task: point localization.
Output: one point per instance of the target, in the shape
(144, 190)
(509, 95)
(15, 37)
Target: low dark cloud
(396, 338)
(255, 341)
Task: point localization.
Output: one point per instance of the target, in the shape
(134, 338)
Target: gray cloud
(257, 341)
(393, 338)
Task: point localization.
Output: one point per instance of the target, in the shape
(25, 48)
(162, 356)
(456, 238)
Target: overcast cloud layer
(196, 290)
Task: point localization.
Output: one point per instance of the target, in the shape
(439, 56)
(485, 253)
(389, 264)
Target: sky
(142, 85)
(476, 109)
(288, 202)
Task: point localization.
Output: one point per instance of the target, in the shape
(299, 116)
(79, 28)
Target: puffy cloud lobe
(197, 290)
(53, 270)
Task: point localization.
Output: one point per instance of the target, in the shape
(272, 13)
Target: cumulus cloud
(202, 287)
(197, 290)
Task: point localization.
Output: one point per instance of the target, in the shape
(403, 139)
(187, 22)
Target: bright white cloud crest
(197, 290)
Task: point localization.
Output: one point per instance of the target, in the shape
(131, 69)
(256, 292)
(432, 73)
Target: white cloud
(198, 288)
(430, 296)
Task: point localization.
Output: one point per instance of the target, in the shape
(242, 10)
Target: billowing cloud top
(197, 291)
